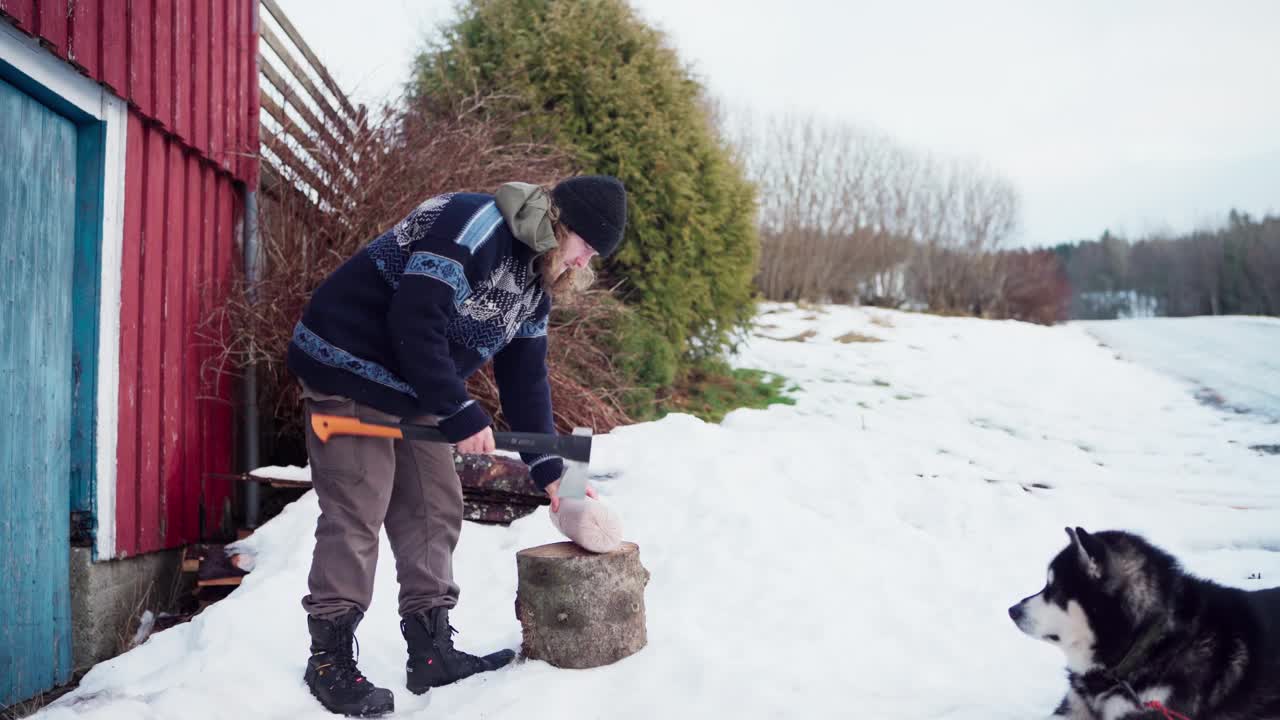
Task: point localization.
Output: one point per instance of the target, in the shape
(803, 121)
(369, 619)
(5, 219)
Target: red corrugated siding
(180, 63)
(218, 53)
(182, 105)
(253, 107)
(200, 78)
(127, 475)
(182, 218)
(235, 68)
(142, 71)
(51, 24)
(193, 423)
(162, 30)
(86, 37)
(23, 13)
(114, 43)
(151, 241)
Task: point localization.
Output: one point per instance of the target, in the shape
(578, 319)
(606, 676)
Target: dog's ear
(1089, 551)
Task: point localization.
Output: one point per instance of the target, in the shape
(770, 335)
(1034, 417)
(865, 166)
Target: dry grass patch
(853, 337)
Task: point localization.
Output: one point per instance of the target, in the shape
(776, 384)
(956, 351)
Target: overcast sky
(1131, 115)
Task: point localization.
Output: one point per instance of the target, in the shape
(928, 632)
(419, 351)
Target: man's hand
(553, 490)
(479, 444)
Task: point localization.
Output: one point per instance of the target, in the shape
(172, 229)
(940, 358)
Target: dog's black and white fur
(1136, 628)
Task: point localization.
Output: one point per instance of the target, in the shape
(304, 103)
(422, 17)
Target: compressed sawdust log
(579, 609)
(497, 474)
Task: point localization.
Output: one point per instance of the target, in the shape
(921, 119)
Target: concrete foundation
(108, 599)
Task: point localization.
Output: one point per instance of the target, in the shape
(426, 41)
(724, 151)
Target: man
(393, 334)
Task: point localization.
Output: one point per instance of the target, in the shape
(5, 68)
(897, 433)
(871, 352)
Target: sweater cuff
(469, 420)
(546, 470)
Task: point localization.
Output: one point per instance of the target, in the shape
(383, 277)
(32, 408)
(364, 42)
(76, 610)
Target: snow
(292, 473)
(852, 555)
(1235, 358)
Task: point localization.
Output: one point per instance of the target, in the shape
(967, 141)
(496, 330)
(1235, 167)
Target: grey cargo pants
(409, 486)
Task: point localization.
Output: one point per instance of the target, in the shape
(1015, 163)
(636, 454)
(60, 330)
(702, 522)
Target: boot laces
(448, 637)
(445, 637)
(344, 662)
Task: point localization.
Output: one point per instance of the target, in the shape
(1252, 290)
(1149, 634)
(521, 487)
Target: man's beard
(560, 279)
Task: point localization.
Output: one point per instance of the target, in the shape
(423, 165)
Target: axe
(575, 449)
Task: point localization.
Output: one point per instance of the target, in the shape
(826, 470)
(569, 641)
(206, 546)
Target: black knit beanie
(595, 207)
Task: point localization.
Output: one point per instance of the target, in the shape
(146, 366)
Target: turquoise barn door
(38, 161)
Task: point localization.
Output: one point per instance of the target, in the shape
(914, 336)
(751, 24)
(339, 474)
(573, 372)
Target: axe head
(573, 484)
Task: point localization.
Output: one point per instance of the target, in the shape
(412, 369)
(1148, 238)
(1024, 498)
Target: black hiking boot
(332, 674)
(433, 661)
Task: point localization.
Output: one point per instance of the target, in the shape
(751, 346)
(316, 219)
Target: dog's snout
(1015, 612)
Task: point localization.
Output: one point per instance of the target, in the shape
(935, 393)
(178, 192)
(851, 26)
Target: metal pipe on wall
(250, 427)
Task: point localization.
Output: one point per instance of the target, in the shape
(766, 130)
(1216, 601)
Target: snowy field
(851, 556)
(1233, 360)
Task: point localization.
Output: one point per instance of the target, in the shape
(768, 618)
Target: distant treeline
(848, 215)
(1230, 271)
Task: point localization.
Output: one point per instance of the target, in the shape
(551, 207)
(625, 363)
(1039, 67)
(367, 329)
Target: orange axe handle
(326, 426)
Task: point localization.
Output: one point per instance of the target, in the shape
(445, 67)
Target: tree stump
(579, 609)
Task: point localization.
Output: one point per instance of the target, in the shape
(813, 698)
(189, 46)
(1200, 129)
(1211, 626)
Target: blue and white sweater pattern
(500, 309)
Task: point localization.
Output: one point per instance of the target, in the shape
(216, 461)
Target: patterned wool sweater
(403, 323)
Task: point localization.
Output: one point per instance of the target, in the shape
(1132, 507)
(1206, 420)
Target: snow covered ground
(851, 556)
(1233, 360)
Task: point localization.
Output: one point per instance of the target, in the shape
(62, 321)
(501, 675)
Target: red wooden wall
(188, 70)
(189, 66)
(176, 422)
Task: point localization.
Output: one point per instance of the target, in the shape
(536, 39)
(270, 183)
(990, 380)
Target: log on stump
(579, 609)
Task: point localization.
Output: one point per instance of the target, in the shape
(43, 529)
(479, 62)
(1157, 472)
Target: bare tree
(965, 217)
(829, 220)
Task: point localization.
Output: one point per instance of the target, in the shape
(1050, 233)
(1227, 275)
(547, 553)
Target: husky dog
(1142, 637)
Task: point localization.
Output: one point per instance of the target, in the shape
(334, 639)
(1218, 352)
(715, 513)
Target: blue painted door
(37, 243)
